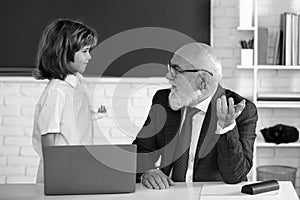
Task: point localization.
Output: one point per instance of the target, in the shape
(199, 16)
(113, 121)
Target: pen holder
(247, 57)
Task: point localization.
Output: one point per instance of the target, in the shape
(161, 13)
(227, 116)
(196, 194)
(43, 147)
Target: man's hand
(156, 179)
(228, 114)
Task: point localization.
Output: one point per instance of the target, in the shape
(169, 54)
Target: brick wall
(18, 161)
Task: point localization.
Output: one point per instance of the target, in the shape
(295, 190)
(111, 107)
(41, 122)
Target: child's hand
(101, 112)
(102, 109)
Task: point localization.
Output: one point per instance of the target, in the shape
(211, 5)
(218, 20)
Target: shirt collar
(72, 79)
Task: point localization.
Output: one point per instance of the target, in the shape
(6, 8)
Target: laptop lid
(89, 169)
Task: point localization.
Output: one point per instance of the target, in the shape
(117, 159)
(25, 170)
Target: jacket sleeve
(235, 148)
(146, 140)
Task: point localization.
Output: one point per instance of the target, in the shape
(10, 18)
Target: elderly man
(199, 130)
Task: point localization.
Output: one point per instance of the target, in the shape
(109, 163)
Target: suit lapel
(208, 138)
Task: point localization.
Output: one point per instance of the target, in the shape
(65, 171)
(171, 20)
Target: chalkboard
(136, 37)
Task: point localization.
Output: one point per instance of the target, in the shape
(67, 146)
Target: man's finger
(147, 184)
(159, 181)
(224, 104)
(231, 109)
(153, 182)
(165, 181)
(219, 105)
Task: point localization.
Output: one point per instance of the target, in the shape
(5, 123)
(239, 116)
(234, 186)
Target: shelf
(265, 144)
(245, 67)
(278, 104)
(270, 67)
(240, 28)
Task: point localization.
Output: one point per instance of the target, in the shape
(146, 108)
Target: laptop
(89, 169)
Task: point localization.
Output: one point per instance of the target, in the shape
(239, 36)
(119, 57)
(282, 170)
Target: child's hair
(60, 41)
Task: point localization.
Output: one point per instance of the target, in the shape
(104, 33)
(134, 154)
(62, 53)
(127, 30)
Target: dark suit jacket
(227, 157)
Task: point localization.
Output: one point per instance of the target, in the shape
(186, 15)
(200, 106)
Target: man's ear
(202, 80)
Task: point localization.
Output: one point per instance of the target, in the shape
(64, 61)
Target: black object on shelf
(264, 186)
(280, 134)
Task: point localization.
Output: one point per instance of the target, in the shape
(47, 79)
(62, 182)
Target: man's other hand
(156, 179)
(227, 113)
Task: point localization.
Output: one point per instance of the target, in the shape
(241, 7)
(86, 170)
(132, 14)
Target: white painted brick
(32, 91)
(4, 170)
(23, 161)
(224, 52)
(229, 42)
(141, 102)
(265, 152)
(275, 83)
(28, 131)
(226, 22)
(117, 103)
(287, 152)
(217, 3)
(20, 179)
(20, 100)
(31, 171)
(228, 3)
(5, 130)
(9, 90)
(1, 100)
(18, 121)
(28, 151)
(1, 140)
(3, 160)
(100, 132)
(2, 179)
(221, 32)
(287, 112)
(27, 110)
(232, 12)
(228, 73)
(265, 112)
(118, 90)
(293, 162)
(17, 141)
(9, 150)
(219, 12)
(10, 110)
(117, 133)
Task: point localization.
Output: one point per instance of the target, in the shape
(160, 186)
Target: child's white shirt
(63, 108)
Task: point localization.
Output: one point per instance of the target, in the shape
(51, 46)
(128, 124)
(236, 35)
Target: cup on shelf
(247, 57)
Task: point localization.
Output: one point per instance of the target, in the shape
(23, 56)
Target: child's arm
(48, 139)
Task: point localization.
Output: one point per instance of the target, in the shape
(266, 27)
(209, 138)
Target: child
(62, 114)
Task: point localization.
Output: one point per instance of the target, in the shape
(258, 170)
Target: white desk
(186, 191)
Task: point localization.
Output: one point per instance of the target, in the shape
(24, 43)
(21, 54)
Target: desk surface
(186, 191)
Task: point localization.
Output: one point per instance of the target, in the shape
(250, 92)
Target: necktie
(182, 147)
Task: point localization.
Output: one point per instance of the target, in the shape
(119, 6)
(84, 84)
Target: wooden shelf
(246, 28)
(265, 144)
(278, 104)
(270, 67)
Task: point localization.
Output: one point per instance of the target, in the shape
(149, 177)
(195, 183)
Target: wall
(18, 161)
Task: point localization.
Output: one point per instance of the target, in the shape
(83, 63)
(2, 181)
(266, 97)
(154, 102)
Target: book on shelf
(288, 51)
(294, 39)
(276, 54)
(262, 50)
(291, 96)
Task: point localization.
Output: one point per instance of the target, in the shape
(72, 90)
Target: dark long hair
(60, 41)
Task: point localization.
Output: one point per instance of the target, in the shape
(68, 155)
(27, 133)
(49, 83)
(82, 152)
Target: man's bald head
(200, 56)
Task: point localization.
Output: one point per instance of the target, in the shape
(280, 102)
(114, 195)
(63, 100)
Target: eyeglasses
(174, 69)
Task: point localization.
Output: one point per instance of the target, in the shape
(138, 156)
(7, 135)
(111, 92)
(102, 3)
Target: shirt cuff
(221, 130)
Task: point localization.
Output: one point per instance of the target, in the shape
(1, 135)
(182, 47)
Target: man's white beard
(184, 97)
